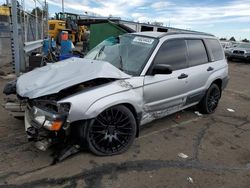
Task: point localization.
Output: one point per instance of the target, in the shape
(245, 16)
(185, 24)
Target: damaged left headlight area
(46, 122)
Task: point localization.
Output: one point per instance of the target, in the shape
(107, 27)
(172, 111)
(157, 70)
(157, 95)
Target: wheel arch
(76, 125)
(134, 105)
(136, 115)
(218, 82)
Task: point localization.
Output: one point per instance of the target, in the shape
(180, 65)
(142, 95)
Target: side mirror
(162, 69)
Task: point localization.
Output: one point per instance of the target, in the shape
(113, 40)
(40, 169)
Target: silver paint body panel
(151, 96)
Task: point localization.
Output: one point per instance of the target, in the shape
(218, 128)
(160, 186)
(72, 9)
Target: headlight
(54, 125)
(50, 121)
(40, 119)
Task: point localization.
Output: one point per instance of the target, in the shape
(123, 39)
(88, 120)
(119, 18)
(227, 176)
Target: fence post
(36, 18)
(15, 38)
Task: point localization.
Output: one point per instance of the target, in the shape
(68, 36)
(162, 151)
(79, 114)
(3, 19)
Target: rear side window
(216, 49)
(174, 53)
(197, 53)
(146, 28)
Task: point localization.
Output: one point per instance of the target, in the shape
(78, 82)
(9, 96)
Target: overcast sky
(223, 18)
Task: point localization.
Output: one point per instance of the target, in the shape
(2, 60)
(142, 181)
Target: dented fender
(90, 103)
(130, 97)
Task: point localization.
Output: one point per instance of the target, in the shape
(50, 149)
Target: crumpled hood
(55, 77)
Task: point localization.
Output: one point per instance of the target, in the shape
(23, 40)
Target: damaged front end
(45, 122)
(46, 125)
(56, 96)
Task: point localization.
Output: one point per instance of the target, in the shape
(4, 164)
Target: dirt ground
(217, 147)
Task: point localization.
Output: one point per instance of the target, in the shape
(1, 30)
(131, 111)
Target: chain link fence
(5, 39)
(31, 26)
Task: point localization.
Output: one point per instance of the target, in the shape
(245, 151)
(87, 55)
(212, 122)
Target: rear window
(216, 49)
(197, 54)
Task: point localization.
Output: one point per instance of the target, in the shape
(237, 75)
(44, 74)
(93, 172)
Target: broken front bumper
(42, 125)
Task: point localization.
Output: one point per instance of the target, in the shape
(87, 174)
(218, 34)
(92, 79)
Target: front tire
(211, 99)
(111, 132)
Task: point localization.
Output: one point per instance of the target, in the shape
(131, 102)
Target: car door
(167, 91)
(198, 71)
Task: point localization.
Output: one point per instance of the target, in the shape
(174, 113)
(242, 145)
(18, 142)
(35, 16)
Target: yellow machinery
(4, 11)
(66, 22)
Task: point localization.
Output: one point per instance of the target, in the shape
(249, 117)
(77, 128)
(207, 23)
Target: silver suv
(102, 100)
(241, 52)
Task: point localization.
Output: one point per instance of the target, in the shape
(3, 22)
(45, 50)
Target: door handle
(182, 76)
(210, 69)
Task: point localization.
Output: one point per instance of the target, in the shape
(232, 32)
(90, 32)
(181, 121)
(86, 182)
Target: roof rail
(185, 32)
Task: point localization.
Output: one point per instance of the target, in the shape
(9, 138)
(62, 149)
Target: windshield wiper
(99, 53)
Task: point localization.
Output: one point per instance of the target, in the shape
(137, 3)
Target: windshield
(244, 46)
(128, 53)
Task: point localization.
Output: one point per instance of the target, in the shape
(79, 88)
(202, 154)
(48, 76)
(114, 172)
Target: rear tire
(111, 132)
(211, 99)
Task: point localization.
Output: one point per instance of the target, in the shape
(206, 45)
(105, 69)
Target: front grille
(238, 52)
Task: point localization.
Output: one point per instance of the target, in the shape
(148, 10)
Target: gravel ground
(217, 147)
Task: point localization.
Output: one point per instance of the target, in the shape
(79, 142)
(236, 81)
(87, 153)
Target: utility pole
(46, 18)
(62, 6)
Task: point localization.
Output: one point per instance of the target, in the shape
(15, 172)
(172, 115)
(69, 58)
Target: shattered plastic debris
(198, 113)
(182, 155)
(190, 180)
(230, 110)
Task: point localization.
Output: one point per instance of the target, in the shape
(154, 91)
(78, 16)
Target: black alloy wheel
(112, 131)
(211, 100)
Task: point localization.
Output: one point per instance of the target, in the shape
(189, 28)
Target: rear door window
(197, 53)
(174, 53)
(215, 48)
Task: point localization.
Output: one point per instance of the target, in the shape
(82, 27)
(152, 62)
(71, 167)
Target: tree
(39, 12)
(157, 23)
(245, 40)
(232, 39)
(223, 38)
